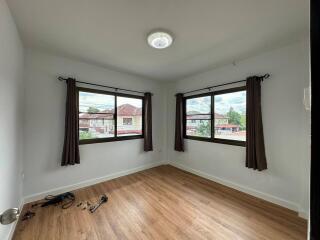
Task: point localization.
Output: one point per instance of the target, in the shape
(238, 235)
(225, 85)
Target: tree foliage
(234, 117)
(85, 135)
(93, 110)
(204, 129)
(243, 122)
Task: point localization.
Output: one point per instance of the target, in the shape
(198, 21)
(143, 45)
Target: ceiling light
(159, 39)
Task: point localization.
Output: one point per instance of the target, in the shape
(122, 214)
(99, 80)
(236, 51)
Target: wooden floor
(164, 203)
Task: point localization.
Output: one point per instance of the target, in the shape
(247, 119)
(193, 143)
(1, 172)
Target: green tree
(204, 129)
(93, 110)
(85, 135)
(234, 117)
(243, 122)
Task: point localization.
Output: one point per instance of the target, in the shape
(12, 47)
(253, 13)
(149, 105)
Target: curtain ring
(266, 76)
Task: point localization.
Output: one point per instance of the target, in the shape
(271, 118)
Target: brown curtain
(178, 143)
(147, 123)
(256, 157)
(70, 155)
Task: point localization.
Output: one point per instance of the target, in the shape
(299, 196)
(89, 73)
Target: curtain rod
(266, 76)
(99, 85)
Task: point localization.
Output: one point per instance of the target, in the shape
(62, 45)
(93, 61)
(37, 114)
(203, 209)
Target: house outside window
(105, 116)
(225, 110)
(198, 116)
(230, 115)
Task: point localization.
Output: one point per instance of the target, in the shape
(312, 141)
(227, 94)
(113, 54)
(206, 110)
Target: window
(96, 115)
(105, 116)
(129, 116)
(198, 117)
(127, 121)
(225, 110)
(230, 115)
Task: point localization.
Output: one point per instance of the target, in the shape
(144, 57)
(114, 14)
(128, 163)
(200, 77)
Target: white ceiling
(112, 33)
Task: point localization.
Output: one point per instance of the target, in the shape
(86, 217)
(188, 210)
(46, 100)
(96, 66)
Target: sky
(223, 102)
(104, 102)
(237, 100)
(201, 104)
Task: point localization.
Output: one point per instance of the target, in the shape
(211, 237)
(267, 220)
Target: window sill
(230, 142)
(216, 140)
(113, 139)
(203, 139)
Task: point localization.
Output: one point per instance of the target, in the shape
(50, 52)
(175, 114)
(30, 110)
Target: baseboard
(250, 191)
(13, 226)
(41, 195)
(303, 214)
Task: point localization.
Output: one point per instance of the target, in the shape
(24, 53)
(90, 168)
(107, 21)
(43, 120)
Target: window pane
(200, 105)
(96, 128)
(96, 103)
(230, 116)
(199, 128)
(198, 118)
(96, 115)
(129, 119)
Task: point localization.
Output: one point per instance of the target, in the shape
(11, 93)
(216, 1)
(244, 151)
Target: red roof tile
(217, 116)
(129, 110)
(227, 126)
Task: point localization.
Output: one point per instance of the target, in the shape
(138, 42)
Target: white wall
(11, 115)
(286, 128)
(44, 125)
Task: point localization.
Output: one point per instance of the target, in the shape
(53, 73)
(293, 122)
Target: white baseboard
(13, 226)
(303, 214)
(284, 203)
(55, 191)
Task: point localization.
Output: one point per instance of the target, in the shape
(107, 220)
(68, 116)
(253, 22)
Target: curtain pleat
(179, 143)
(148, 146)
(255, 149)
(70, 154)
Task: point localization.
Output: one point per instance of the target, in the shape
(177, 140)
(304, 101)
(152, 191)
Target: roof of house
(123, 110)
(220, 116)
(128, 110)
(194, 112)
(227, 126)
(198, 115)
(96, 115)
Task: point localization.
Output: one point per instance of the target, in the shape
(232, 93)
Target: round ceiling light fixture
(160, 39)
